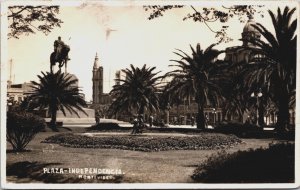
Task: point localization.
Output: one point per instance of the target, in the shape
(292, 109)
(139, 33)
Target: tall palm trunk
(261, 114)
(142, 111)
(200, 117)
(53, 119)
(261, 109)
(283, 110)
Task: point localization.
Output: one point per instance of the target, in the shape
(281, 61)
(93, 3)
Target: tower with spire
(97, 81)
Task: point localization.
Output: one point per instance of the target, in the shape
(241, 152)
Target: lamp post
(257, 96)
(168, 114)
(214, 116)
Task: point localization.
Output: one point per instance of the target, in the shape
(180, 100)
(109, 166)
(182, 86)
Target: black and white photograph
(128, 94)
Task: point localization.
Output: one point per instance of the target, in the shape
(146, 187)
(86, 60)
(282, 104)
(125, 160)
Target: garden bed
(148, 143)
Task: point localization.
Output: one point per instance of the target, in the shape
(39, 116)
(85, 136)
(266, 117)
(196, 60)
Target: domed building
(247, 53)
(244, 53)
(250, 33)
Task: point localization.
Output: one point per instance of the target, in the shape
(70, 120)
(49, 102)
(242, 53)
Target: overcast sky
(136, 40)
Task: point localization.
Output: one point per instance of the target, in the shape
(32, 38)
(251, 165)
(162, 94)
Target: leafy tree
(195, 77)
(238, 96)
(22, 127)
(28, 19)
(232, 88)
(276, 70)
(171, 97)
(137, 92)
(208, 15)
(57, 91)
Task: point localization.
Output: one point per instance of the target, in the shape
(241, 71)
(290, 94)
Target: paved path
(88, 122)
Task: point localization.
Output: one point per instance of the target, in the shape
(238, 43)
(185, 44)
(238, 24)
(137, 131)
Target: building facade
(97, 81)
(17, 92)
(100, 100)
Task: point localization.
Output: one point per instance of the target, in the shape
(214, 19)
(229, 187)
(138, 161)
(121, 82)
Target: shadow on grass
(58, 129)
(14, 151)
(275, 164)
(192, 165)
(35, 171)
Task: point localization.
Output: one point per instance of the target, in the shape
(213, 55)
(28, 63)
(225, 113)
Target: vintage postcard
(149, 94)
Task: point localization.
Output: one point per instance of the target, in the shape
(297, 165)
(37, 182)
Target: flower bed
(148, 143)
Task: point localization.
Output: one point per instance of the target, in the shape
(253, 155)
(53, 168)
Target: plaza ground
(174, 166)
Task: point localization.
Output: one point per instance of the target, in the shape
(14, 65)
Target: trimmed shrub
(239, 129)
(21, 127)
(272, 165)
(108, 127)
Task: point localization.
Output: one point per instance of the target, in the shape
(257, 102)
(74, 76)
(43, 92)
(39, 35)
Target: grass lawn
(138, 167)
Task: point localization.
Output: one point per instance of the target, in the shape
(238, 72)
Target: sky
(134, 40)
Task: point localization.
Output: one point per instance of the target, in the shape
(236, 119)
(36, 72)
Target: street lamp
(257, 96)
(214, 115)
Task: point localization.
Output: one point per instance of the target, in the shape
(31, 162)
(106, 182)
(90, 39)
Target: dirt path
(144, 167)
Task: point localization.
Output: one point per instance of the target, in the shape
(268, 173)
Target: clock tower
(97, 81)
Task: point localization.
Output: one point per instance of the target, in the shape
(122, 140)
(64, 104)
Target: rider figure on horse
(58, 47)
(60, 53)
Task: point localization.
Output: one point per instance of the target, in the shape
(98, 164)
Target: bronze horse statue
(60, 57)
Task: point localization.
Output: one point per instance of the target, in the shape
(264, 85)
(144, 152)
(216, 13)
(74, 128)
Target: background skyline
(136, 40)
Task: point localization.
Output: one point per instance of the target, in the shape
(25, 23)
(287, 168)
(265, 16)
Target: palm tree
(276, 71)
(137, 92)
(195, 78)
(232, 89)
(56, 91)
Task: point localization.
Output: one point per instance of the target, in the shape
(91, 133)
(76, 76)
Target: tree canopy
(138, 91)
(28, 19)
(57, 91)
(208, 15)
(276, 71)
(195, 76)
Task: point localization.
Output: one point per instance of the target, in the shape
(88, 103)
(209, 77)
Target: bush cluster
(239, 129)
(272, 165)
(21, 127)
(108, 127)
(146, 143)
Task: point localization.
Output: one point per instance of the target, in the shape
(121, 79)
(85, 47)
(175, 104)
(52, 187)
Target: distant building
(97, 81)
(119, 75)
(17, 92)
(244, 53)
(100, 100)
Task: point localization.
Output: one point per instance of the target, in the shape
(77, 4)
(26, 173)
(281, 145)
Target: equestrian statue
(60, 54)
